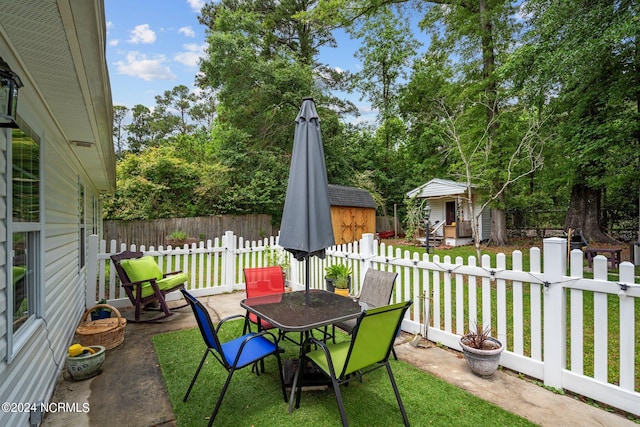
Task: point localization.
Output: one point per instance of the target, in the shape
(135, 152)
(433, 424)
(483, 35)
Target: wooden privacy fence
(559, 327)
(154, 232)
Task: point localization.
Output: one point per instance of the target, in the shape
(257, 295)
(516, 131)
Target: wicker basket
(108, 333)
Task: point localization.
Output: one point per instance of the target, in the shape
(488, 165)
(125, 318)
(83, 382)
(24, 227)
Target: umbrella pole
(307, 274)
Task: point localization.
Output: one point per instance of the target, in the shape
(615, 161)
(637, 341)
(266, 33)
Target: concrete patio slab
(130, 390)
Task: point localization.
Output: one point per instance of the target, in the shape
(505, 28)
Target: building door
(450, 210)
(353, 223)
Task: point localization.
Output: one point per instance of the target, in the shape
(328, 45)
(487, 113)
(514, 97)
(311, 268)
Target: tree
(261, 62)
(178, 100)
(525, 159)
(387, 47)
(479, 34)
(139, 132)
(119, 114)
(581, 63)
(203, 111)
(155, 183)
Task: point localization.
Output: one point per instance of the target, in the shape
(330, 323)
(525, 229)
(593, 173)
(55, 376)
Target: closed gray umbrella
(306, 228)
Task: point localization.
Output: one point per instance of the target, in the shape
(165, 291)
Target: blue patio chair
(235, 354)
(371, 342)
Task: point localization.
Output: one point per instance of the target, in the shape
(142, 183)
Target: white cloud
(193, 52)
(196, 5)
(138, 65)
(114, 42)
(142, 34)
(187, 31)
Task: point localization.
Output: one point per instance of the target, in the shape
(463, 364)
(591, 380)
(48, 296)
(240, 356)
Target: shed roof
(350, 196)
(438, 188)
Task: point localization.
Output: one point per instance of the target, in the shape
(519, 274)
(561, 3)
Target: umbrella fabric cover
(306, 228)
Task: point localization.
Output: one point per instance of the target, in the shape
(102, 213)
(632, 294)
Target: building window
(25, 226)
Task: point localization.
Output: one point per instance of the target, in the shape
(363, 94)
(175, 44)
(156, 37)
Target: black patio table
(289, 313)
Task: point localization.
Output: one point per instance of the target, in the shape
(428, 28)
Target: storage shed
(450, 219)
(353, 213)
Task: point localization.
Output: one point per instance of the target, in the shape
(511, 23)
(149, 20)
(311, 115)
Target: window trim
(16, 340)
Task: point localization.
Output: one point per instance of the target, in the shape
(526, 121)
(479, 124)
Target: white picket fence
(553, 324)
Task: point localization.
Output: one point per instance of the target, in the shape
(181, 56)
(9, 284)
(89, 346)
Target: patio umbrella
(306, 228)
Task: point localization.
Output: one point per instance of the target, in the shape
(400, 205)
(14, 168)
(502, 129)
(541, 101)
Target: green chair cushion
(164, 284)
(18, 273)
(144, 268)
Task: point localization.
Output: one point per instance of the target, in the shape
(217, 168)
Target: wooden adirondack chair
(145, 284)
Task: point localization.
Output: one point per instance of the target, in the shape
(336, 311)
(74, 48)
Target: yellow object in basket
(77, 349)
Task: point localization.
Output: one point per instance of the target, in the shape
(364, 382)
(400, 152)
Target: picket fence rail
(554, 322)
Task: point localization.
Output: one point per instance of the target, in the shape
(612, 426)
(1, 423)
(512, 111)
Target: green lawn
(253, 400)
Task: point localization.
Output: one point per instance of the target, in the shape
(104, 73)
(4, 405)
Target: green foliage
(277, 257)
(569, 66)
(177, 235)
(339, 273)
(157, 184)
(576, 62)
(97, 311)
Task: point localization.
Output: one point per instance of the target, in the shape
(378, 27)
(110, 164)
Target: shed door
(353, 223)
(450, 208)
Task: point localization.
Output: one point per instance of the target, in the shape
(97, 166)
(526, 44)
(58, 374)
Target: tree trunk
(498, 227)
(584, 214)
(498, 216)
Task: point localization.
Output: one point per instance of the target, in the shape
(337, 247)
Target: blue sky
(154, 45)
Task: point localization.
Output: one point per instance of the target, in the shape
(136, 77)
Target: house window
(25, 226)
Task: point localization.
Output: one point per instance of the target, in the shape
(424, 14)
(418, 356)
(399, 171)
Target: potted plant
(338, 278)
(481, 350)
(101, 312)
(179, 238)
(274, 257)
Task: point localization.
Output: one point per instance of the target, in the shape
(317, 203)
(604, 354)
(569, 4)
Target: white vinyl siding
(30, 374)
(3, 247)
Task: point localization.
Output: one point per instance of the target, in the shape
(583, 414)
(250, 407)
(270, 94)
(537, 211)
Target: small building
(353, 213)
(450, 219)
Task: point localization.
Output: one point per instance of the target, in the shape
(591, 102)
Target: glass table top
(288, 310)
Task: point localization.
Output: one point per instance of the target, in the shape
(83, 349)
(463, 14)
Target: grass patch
(253, 400)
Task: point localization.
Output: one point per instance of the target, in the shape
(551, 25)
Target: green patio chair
(376, 291)
(369, 348)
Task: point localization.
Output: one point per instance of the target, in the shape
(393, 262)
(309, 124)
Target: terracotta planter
(482, 362)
